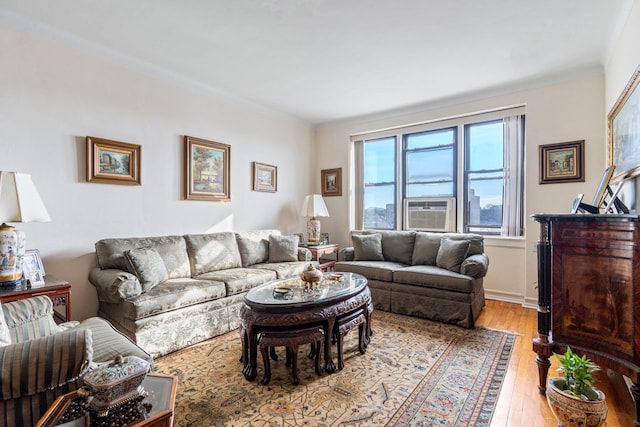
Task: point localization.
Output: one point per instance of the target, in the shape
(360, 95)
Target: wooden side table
(161, 396)
(57, 289)
(320, 250)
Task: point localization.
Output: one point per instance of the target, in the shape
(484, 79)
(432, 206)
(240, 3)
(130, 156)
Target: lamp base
(313, 230)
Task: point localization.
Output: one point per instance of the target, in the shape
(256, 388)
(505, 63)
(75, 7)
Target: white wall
(52, 96)
(561, 112)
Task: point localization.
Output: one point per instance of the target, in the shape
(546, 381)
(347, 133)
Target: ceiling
(326, 60)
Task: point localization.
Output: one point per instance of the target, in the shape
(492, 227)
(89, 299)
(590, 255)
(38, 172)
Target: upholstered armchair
(43, 360)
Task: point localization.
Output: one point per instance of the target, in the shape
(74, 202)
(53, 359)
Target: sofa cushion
(30, 318)
(254, 246)
(367, 247)
(452, 253)
(172, 249)
(283, 248)
(237, 280)
(148, 266)
(425, 248)
(284, 269)
(475, 266)
(397, 246)
(212, 252)
(372, 270)
(171, 295)
(430, 276)
(476, 241)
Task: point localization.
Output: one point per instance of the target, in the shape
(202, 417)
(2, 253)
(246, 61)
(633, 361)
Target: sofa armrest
(29, 318)
(31, 367)
(113, 285)
(346, 254)
(304, 254)
(475, 266)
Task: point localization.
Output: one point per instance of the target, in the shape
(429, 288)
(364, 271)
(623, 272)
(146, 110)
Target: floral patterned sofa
(169, 292)
(438, 276)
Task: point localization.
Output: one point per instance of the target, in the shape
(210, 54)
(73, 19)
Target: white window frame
(512, 212)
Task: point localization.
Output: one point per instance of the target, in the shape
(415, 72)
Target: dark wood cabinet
(589, 292)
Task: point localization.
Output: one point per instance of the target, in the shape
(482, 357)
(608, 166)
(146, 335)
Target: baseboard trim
(511, 298)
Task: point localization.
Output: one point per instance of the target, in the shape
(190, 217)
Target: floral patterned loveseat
(169, 292)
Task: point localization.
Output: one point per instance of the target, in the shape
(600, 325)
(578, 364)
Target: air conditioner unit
(430, 214)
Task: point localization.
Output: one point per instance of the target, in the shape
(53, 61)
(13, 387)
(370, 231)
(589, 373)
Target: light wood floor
(520, 404)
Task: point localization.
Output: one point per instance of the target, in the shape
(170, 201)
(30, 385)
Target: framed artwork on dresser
(624, 131)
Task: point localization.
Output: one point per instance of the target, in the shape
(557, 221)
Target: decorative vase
(12, 246)
(311, 276)
(573, 412)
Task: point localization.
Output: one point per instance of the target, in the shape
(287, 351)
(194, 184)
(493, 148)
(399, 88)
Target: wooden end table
(317, 251)
(161, 392)
(57, 289)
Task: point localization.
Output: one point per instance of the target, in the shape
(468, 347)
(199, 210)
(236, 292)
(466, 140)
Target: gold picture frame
(207, 170)
(623, 125)
(265, 177)
(563, 162)
(113, 162)
(331, 182)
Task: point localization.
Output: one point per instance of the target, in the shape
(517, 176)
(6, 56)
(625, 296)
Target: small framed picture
(113, 162)
(300, 238)
(562, 162)
(331, 182)
(324, 238)
(31, 261)
(35, 278)
(265, 177)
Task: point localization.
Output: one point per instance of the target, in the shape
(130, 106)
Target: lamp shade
(313, 206)
(20, 200)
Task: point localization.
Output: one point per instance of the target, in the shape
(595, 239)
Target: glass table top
(291, 291)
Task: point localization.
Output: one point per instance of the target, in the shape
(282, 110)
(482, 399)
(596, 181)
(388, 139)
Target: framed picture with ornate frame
(207, 170)
(265, 177)
(624, 131)
(331, 182)
(563, 162)
(113, 162)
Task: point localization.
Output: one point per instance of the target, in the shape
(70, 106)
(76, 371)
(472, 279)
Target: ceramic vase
(573, 412)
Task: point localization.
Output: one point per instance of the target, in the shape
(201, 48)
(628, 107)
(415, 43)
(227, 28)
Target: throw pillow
(367, 247)
(283, 248)
(452, 253)
(5, 336)
(252, 251)
(425, 249)
(147, 264)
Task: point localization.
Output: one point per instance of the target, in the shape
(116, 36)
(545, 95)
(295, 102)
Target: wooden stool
(346, 323)
(291, 339)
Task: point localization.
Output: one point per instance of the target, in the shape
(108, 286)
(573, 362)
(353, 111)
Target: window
(380, 183)
(476, 160)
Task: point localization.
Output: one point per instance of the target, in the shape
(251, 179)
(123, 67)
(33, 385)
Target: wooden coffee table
(263, 309)
(161, 392)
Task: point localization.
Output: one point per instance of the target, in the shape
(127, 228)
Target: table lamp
(313, 207)
(19, 202)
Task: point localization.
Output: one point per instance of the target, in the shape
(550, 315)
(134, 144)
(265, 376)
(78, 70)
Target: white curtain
(513, 174)
(359, 184)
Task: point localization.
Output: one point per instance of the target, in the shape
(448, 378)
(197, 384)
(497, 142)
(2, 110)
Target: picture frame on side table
(31, 261)
(624, 131)
(113, 162)
(331, 182)
(563, 162)
(207, 170)
(36, 279)
(300, 238)
(265, 177)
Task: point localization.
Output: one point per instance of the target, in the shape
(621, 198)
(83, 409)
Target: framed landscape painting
(207, 170)
(265, 177)
(563, 162)
(624, 131)
(113, 162)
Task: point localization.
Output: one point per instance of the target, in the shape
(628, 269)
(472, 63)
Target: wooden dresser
(589, 292)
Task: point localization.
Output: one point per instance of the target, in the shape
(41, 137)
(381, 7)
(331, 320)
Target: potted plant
(572, 398)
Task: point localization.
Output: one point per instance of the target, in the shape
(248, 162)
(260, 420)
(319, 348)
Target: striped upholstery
(33, 373)
(44, 362)
(30, 318)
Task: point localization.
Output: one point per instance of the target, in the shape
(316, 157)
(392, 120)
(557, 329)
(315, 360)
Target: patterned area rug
(414, 373)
